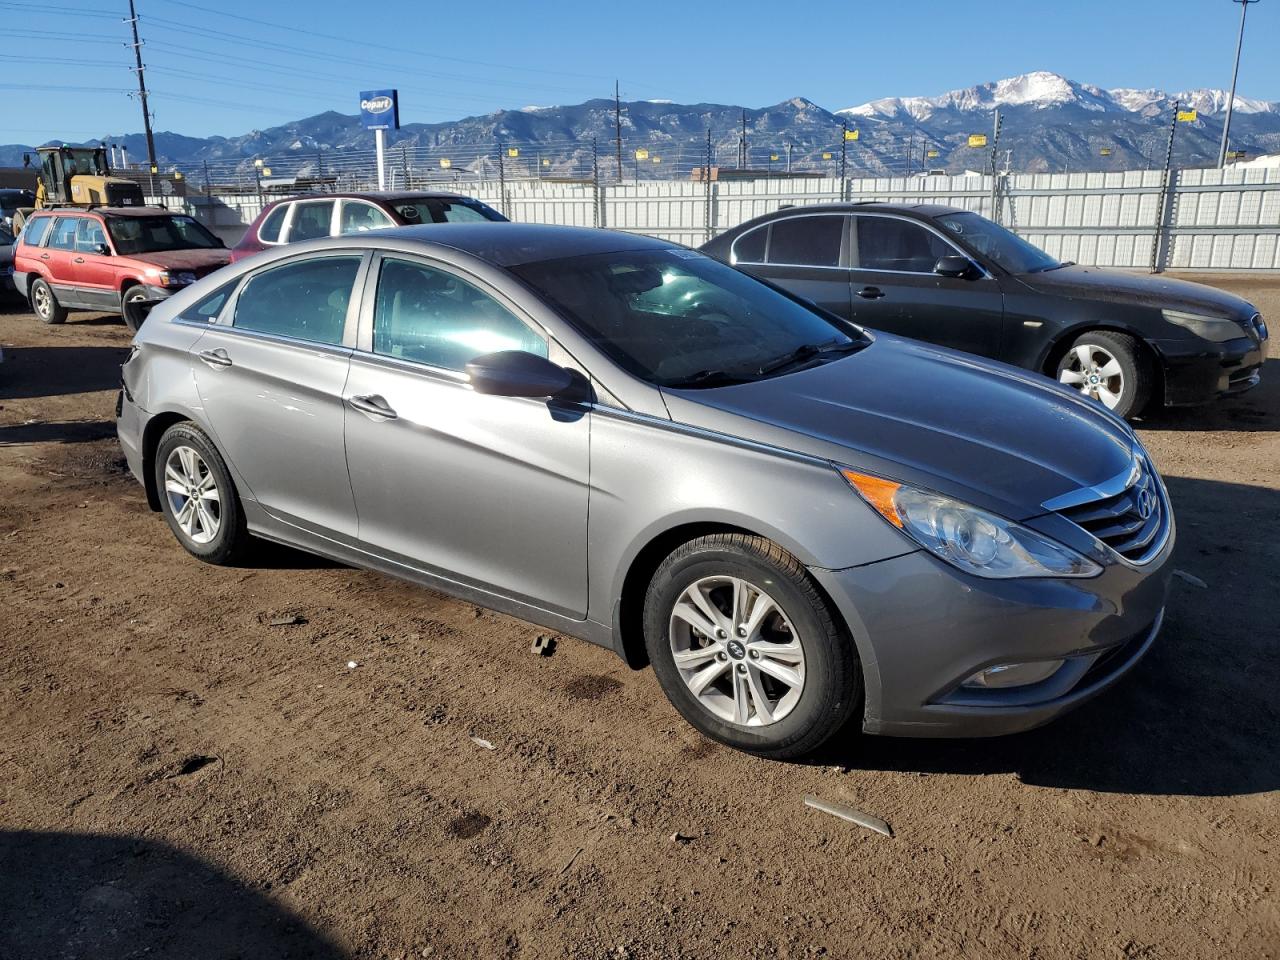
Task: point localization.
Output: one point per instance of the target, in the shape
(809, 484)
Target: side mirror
(955, 266)
(102, 250)
(516, 373)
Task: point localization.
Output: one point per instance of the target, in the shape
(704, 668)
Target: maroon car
(311, 216)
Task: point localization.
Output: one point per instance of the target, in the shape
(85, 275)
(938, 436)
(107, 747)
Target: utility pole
(1235, 73)
(788, 158)
(617, 125)
(142, 89)
(844, 159)
(742, 143)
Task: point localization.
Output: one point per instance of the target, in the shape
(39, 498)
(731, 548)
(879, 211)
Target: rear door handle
(871, 293)
(78, 260)
(44, 256)
(373, 406)
(215, 358)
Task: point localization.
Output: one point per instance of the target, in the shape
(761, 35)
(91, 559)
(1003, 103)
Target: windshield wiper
(1056, 266)
(807, 351)
(709, 378)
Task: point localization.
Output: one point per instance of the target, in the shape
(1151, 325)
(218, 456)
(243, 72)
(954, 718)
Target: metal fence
(1186, 219)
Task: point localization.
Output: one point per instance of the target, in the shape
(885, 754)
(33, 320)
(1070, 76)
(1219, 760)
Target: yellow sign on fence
(977, 139)
(1187, 116)
(513, 151)
(826, 156)
(657, 159)
(773, 156)
(642, 154)
(932, 153)
(1106, 151)
(851, 134)
(445, 163)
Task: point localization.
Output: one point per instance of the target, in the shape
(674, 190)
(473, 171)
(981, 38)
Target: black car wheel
(1110, 368)
(747, 649)
(45, 304)
(133, 308)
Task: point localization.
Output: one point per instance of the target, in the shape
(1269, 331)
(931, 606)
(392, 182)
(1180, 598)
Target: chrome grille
(1133, 522)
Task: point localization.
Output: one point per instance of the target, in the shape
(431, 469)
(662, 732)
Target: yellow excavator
(78, 177)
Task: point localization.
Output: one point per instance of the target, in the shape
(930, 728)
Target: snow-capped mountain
(1043, 90)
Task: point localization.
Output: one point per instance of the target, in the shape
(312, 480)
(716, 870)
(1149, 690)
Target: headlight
(970, 539)
(1216, 329)
(169, 278)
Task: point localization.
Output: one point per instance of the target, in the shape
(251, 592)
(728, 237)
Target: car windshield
(441, 210)
(996, 243)
(133, 235)
(676, 318)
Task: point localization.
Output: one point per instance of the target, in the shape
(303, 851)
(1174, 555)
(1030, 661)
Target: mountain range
(1049, 123)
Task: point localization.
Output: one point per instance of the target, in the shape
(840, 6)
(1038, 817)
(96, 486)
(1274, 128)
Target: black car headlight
(1217, 329)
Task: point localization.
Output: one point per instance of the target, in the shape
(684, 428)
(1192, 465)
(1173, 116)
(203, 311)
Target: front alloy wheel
(1111, 368)
(747, 647)
(736, 651)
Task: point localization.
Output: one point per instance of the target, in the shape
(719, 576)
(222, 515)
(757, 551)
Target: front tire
(131, 302)
(197, 496)
(45, 304)
(747, 649)
(1110, 368)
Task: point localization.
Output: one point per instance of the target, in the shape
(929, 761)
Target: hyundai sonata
(797, 522)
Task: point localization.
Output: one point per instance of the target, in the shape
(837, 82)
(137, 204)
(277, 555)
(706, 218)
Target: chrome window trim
(986, 274)
(284, 225)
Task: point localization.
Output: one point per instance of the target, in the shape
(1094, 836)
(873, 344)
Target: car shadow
(108, 897)
(29, 372)
(57, 431)
(1257, 410)
(1197, 717)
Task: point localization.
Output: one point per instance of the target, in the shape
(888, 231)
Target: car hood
(981, 431)
(1116, 286)
(200, 262)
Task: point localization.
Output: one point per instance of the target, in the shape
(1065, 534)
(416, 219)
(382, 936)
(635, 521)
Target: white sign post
(380, 138)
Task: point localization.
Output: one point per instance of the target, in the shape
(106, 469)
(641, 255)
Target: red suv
(333, 214)
(110, 260)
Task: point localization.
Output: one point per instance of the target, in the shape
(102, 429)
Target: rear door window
(64, 233)
(311, 220)
(305, 299)
(269, 232)
(35, 230)
(887, 243)
(806, 241)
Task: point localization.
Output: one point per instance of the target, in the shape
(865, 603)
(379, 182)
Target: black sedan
(954, 278)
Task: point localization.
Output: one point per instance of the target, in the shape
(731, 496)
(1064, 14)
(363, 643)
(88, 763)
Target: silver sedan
(797, 522)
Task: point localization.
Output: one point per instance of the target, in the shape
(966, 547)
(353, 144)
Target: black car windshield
(676, 318)
(133, 235)
(996, 243)
(442, 210)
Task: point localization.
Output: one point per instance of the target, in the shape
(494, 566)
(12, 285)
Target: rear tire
(770, 671)
(45, 304)
(1111, 368)
(198, 497)
(131, 308)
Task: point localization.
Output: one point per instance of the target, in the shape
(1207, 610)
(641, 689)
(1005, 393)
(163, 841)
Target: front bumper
(922, 628)
(1197, 371)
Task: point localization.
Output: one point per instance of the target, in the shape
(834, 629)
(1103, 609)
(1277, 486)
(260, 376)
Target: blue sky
(252, 64)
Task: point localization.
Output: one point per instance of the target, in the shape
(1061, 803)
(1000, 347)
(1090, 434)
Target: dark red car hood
(199, 262)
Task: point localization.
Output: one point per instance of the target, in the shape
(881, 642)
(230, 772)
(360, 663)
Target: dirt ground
(181, 777)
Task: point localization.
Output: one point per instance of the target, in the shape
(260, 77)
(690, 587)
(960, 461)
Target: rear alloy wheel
(747, 649)
(1109, 368)
(197, 496)
(131, 308)
(45, 304)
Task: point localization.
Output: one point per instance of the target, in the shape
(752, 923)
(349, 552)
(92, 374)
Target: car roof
(109, 211)
(875, 206)
(374, 196)
(501, 243)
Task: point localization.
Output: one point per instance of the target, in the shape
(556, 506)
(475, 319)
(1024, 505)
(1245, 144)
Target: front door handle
(373, 406)
(78, 260)
(44, 256)
(871, 293)
(215, 358)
